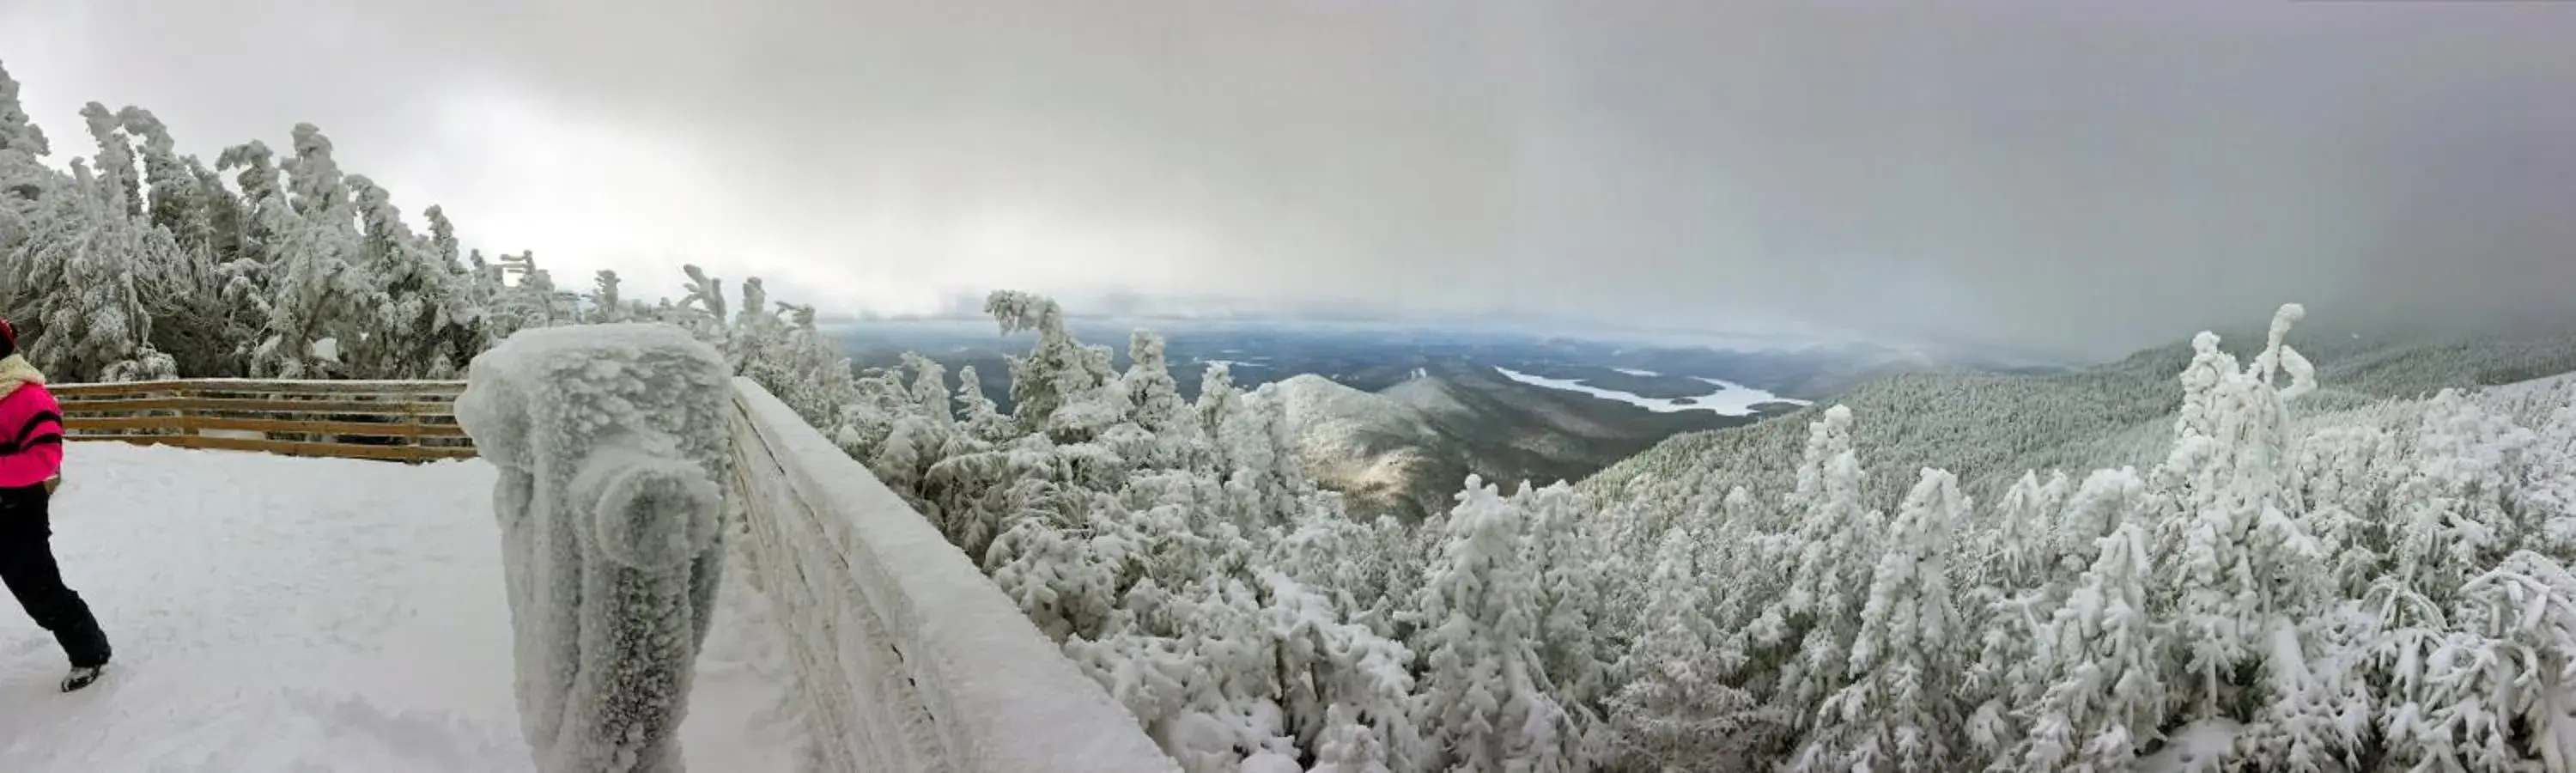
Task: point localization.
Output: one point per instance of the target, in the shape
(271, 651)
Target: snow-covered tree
(177, 203)
(322, 297)
(17, 131)
(979, 416)
(2232, 524)
(2098, 668)
(1565, 550)
(119, 182)
(1902, 709)
(1836, 540)
(605, 302)
(86, 251)
(2026, 534)
(1060, 386)
(1675, 708)
(1484, 683)
(2027, 590)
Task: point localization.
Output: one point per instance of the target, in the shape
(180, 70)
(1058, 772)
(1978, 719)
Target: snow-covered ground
(276, 614)
(1729, 399)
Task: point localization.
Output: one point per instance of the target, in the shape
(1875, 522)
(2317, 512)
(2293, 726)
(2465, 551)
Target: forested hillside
(2275, 589)
(1990, 427)
(2294, 573)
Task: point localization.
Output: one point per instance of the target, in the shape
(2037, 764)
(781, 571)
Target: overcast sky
(2082, 178)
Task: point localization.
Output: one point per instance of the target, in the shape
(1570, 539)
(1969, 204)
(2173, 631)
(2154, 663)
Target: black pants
(27, 564)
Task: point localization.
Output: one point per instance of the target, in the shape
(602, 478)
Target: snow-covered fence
(389, 420)
(614, 444)
(907, 657)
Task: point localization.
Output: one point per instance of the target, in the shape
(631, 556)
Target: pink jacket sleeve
(34, 437)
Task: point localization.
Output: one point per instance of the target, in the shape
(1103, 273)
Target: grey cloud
(2076, 178)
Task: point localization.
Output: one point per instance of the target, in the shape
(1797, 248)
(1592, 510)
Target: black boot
(87, 646)
(81, 677)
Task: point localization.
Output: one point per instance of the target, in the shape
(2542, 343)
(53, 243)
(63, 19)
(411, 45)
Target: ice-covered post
(613, 443)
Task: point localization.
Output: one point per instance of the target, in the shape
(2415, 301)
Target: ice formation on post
(612, 441)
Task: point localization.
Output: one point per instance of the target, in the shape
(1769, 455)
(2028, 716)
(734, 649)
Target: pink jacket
(31, 434)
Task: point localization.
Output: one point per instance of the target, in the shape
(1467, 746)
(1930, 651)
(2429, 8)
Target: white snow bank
(910, 659)
(1730, 398)
(277, 614)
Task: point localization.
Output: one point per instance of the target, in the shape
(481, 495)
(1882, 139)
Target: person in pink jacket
(31, 460)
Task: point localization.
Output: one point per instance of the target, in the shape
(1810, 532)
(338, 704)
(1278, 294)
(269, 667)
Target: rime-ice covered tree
(814, 375)
(119, 181)
(918, 435)
(605, 302)
(1348, 690)
(2026, 587)
(2024, 540)
(1675, 708)
(1484, 682)
(2250, 578)
(702, 305)
(534, 301)
(1060, 386)
(1150, 387)
(1565, 550)
(81, 260)
(322, 298)
(178, 201)
(1901, 709)
(2097, 668)
(183, 290)
(1836, 543)
(1349, 746)
(757, 333)
(17, 131)
(266, 223)
(25, 184)
(411, 286)
(980, 417)
(1160, 409)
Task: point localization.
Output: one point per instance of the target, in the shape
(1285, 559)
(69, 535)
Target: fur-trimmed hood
(16, 371)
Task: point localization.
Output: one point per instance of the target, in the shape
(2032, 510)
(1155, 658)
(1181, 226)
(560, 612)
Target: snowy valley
(1395, 416)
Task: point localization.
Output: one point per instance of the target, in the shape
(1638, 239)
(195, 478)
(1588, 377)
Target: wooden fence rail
(409, 421)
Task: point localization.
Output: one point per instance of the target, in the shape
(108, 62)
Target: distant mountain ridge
(1990, 427)
(1373, 358)
(1397, 417)
(1405, 449)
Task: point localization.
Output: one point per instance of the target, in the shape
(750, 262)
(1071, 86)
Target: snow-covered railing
(907, 658)
(614, 445)
(390, 420)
